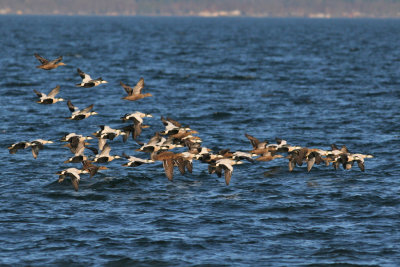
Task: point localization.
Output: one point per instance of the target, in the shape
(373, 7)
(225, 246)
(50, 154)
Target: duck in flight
(77, 146)
(106, 132)
(35, 145)
(80, 114)
(91, 168)
(134, 161)
(48, 65)
(104, 155)
(226, 165)
(50, 98)
(87, 81)
(136, 128)
(74, 175)
(135, 93)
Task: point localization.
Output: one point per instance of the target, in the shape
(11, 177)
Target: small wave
(221, 115)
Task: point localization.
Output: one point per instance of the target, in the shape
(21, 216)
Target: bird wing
(54, 61)
(154, 139)
(35, 151)
(71, 107)
(137, 119)
(174, 122)
(128, 89)
(85, 77)
(310, 163)
(254, 141)
(39, 94)
(41, 59)
(38, 143)
(106, 151)
(138, 87)
(54, 92)
(292, 163)
(361, 165)
(189, 166)
(228, 175)
(181, 164)
(164, 121)
(101, 143)
(87, 109)
(75, 181)
(80, 149)
(87, 165)
(137, 130)
(168, 165)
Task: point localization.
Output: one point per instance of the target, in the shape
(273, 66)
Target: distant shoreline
(198, 16)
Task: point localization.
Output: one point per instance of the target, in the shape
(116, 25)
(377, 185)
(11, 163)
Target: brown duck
(49, 65)
(135, 93)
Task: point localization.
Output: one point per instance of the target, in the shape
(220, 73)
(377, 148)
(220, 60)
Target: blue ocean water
(310, 82)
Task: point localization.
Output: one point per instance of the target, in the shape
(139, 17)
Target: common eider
(50, 98)
(135, 93)
(74, 175)
(80, 114)
(48, 65)
(87, 81)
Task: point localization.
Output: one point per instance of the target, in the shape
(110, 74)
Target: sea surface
(311, 82)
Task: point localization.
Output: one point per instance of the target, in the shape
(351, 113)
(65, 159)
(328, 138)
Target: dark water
(311, 82)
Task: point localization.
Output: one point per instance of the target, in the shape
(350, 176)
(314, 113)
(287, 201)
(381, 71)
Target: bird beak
(149, 115)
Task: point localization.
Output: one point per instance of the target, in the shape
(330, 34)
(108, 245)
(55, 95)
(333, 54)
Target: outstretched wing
(87, 109)
(106, 151)
(137, 131)
(35, 151)
(228, 175)
(54, 92)
(181, 164)
(254, 141)
(71, 107)
(168, 165)
(85, 77)
(138, 87)
(174, 122)
(54, 61)
(75, 182)
(128, 89)
(361, 165)
(39, 94)
(41, 59)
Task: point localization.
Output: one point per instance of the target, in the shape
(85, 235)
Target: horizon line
(198, 16)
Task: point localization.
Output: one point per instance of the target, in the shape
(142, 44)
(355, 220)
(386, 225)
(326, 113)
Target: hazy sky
(271, 8)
